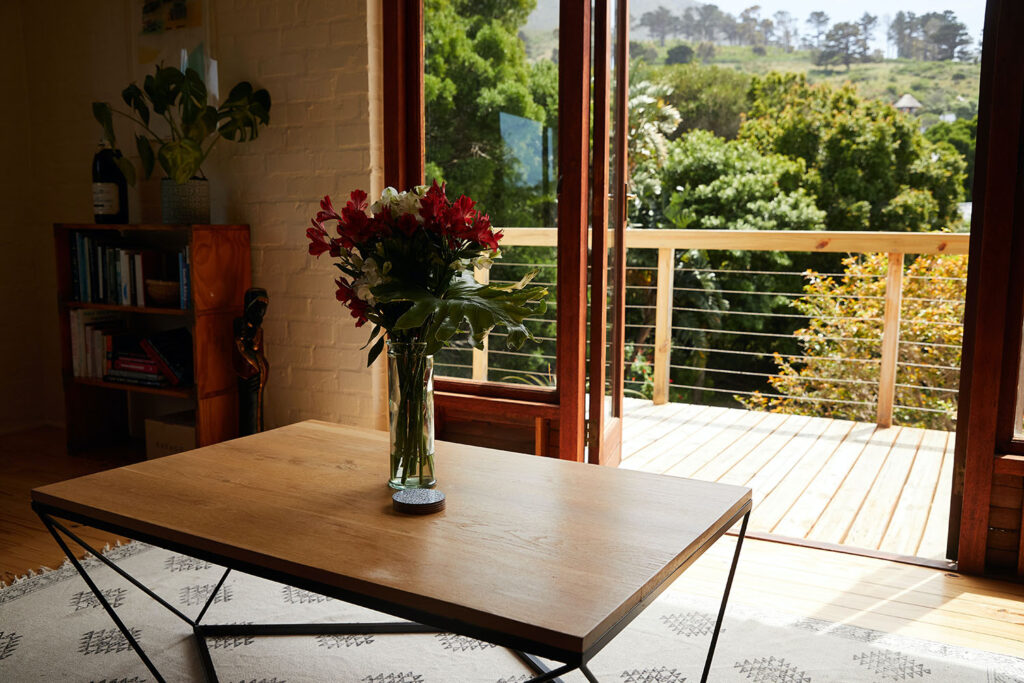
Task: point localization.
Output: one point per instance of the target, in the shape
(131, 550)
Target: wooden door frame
(993, 312)
(404, 157)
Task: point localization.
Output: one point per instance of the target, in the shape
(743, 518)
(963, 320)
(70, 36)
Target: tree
(946, 37)
(869, 166)
(840, 46)
(706, 97)
(660, 23)
(961, 135)
(712, 183)
(818, 23)
(866, 24)
(751, 31)
(845, 323)
(785, 30)
(679, 54)
(475, 71)
(708, 18)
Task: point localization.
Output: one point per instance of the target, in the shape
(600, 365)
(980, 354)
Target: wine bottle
(109, 187)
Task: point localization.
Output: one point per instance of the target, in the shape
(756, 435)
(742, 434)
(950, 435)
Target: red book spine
(158, 359)
(136, 365)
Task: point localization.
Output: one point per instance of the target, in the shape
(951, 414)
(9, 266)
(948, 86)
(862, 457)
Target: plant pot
(411, 408)
(185, 203)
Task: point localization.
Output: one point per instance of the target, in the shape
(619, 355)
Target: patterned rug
(52, 628)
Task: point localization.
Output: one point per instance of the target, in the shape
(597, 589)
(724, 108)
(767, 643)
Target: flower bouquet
(406, 265)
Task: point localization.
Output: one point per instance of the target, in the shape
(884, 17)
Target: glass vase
(411, 408)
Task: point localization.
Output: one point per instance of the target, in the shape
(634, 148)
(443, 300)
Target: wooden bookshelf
(97, 411)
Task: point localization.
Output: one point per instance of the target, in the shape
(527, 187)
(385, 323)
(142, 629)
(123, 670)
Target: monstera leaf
(466, 306)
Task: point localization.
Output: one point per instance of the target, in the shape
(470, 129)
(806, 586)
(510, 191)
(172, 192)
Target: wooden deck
(819, 479)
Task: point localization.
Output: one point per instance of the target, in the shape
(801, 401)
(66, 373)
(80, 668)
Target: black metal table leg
(725, 598)
(125, 631)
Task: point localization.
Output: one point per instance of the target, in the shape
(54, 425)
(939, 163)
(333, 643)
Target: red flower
(433, 203)
(319, 242)
(408, 224)
(355, 305)
(327, 212)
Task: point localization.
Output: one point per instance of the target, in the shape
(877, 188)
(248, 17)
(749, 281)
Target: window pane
(491, 100)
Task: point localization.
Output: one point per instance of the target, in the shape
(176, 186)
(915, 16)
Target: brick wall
(320, 60)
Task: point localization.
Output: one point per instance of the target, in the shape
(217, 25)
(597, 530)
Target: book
(82, 321)
(132, 374)
(172, 351)
(140, 281)
(76, 293)
(135, 364)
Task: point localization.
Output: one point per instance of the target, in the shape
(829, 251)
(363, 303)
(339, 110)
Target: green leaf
(101, 112)
(145, 154)
(243, 112)
(134, 98)
(193, 98)
(374, 352)
(374, 333)
(481, 307)
(180, 159)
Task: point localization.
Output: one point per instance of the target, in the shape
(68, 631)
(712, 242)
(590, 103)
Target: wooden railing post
(483, 276)
(890, 340)
(663, 323)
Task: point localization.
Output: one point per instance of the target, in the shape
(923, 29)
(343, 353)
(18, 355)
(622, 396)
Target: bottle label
(104, 199)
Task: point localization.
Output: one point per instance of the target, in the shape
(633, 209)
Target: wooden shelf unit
(220, 272)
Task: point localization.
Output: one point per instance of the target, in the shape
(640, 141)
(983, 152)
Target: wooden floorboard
(27, 460)
(816, 479)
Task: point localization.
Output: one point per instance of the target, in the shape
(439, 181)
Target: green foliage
(841, 344)
(962, 136)
(180, 99)
(475, 70)
(722, 184)
(464, 306)
(869, 166)
(679, 54)
(707, 97)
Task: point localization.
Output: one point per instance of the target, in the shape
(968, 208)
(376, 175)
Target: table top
(539, 549)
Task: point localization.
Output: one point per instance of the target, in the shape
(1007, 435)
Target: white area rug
(53, 629)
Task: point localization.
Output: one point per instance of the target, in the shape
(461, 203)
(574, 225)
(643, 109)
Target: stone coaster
(418, 501)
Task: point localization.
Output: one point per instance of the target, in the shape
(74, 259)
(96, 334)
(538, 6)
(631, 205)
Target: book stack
(102, 349)
(106, 273)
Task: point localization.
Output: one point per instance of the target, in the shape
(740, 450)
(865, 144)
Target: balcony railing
(658, 283)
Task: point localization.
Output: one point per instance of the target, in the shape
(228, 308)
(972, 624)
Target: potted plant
(191, 129)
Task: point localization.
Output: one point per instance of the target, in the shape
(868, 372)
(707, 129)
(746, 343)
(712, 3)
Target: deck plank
(933, 542)
(813, 501)
(819, 479)
(747, 468)
(878, 506)
(726, 442)
(782, 463)
(660, 455)
(907, 526)
(777, 503)
(838, 515)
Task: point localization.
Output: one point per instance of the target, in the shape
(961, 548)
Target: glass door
(608, 220)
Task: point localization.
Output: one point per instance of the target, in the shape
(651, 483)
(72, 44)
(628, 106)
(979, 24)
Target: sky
(970, 12)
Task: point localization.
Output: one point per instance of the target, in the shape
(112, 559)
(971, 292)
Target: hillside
(940, 86)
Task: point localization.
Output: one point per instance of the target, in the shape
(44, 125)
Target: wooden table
(544, 556)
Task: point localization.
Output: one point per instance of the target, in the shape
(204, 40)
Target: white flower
(409, 203)
(362, 289)
(371, 273)
(387, 199)
(485, 260)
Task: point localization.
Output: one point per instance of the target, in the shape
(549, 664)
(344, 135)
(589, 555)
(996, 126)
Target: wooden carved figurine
(253, 368)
